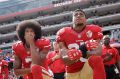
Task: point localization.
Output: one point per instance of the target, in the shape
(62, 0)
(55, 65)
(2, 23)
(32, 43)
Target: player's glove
(91, 44)
(74, 54)
(88, 46)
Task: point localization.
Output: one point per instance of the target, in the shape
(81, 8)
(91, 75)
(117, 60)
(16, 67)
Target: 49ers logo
(89, 34)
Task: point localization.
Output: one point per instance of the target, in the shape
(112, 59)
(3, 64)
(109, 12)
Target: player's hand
(91, 44)
(74, 54)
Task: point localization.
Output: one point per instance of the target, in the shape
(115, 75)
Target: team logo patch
(89, 34)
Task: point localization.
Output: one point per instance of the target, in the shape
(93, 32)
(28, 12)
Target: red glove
(74, 54)
(91, 44)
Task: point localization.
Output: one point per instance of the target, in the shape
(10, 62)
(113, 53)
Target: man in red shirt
(30, 52)
(1, 58)
(5, 71)
(55, 63)
(80, 49)
(3, 68)
(110, 57)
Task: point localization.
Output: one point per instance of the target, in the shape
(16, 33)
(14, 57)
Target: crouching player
(30, 52)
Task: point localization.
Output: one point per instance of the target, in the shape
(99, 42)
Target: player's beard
(80, 24)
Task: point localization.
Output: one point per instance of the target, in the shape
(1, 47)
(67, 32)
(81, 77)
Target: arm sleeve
(97, 31)
(84, 50)
(49, 59)
(15, 48)
(60, 35)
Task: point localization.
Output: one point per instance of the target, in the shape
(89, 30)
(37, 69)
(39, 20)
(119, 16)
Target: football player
(81, 48)
(30, 52)
(55, 63)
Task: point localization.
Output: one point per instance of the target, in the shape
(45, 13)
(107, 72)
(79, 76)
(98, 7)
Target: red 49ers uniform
(21, 52)
(4, 69)
(73, 39)
(113, 52)
(110, 67)
(56, 66)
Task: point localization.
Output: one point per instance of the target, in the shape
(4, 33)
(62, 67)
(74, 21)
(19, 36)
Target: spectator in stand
(110, 57)
(7, 57)
(3, 68)
(55, 63)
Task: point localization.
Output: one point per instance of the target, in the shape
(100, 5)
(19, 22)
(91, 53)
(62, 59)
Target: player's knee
(36, 69)
(95, 61)
(36, 72)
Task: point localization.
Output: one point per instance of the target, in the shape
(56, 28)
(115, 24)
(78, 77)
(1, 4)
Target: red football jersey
(0, 70)
(4, 69)
(56, 66)
(113, 52)
(21, 52)
(74, 39)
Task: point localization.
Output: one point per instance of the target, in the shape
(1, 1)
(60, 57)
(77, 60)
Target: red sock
(97, 65)
(37, 72)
